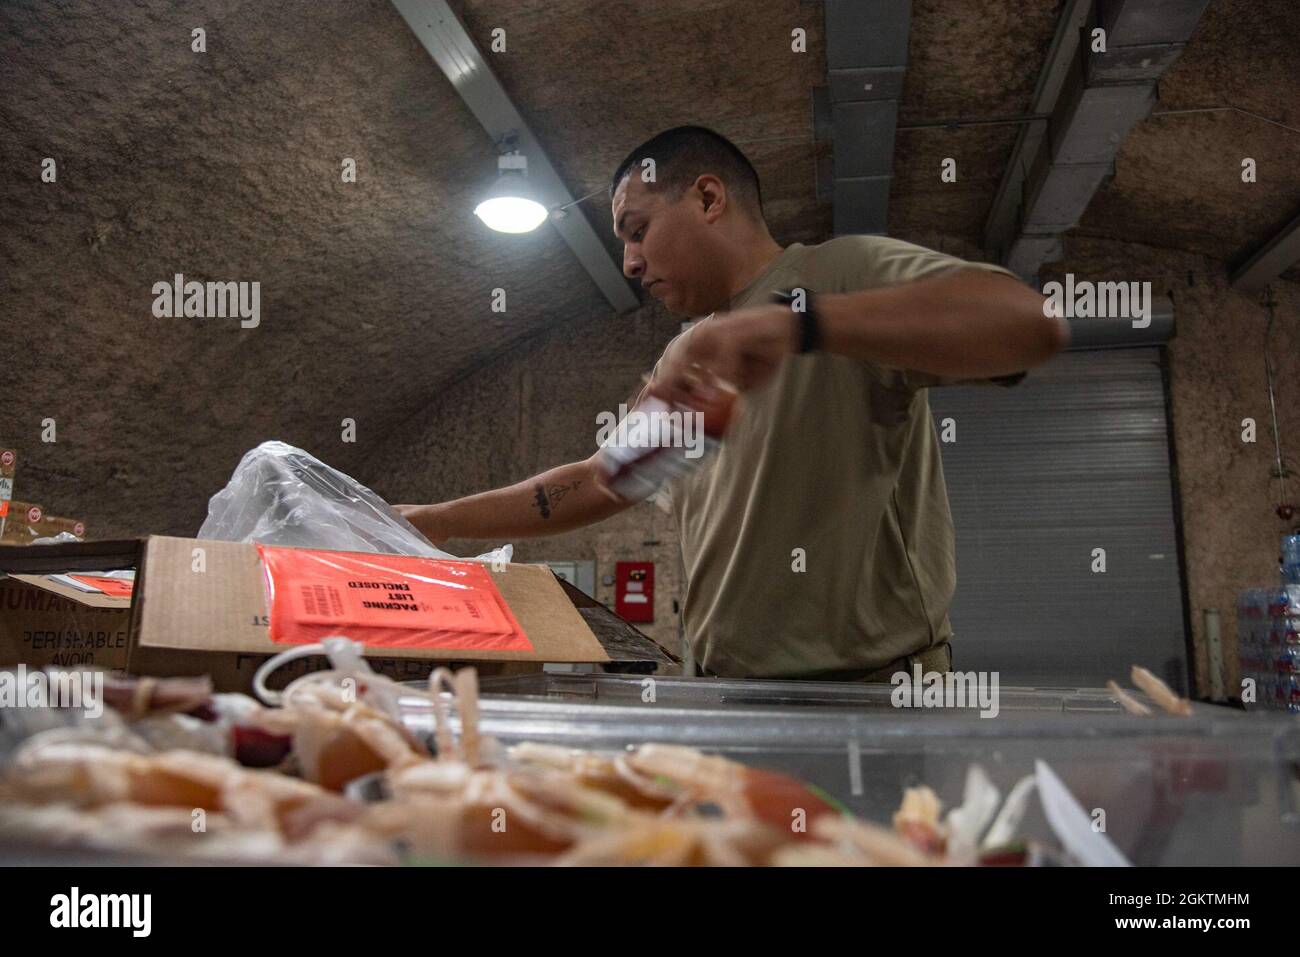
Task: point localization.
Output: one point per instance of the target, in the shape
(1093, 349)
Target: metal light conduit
(438, 28)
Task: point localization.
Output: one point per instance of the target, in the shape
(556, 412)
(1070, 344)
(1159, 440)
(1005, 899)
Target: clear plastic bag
(281, 495)
(62, 538)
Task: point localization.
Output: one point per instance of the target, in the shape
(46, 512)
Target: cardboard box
(8, 465)
(200, 607)
(45, 623)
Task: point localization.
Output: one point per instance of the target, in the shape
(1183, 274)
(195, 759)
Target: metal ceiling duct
(866, 56)
(1086, 334)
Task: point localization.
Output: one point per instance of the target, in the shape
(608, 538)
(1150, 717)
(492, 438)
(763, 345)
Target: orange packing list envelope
(113, 587)
(387, 601)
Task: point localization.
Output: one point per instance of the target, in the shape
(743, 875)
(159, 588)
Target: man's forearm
(966, 324)
(557, 501)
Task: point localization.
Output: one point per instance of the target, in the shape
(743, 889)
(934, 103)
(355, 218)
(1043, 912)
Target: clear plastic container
(1218, 788)
(747, 693)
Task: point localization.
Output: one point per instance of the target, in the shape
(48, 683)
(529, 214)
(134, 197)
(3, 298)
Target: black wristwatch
(810, 336)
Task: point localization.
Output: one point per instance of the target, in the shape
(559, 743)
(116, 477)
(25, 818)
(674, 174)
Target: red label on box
(112, 587)
(387, 601)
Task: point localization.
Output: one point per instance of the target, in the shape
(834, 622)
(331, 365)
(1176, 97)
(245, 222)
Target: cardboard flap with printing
(46, 620)
(207, 595)
(51, 584)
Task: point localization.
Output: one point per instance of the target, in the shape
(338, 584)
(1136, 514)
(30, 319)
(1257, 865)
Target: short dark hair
(685, 153)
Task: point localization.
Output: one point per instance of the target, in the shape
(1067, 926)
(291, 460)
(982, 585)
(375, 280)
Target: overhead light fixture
(510, 206)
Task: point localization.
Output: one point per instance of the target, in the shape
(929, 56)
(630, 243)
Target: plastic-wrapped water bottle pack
(1268, 645)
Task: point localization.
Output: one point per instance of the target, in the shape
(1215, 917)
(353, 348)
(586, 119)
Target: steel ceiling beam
(1271, 260)
(1004, 217)
(440, 31)
(1092, 101)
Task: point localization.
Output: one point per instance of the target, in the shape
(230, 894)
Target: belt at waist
(937, 658)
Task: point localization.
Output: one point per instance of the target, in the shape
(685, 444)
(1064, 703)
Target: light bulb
(511, 214)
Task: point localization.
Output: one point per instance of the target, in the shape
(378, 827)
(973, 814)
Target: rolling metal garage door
(1072, 459)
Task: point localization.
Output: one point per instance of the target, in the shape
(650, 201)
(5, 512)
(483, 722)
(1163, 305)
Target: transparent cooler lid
(748, 693)
(1218, 788)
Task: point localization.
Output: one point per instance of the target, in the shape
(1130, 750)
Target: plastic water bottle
(1291, 559)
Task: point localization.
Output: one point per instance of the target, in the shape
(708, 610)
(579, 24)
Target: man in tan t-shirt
(818, 542)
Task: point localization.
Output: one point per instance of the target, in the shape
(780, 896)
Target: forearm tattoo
(546, 498)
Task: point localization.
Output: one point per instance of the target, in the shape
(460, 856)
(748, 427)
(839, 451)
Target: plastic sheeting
(281, 495)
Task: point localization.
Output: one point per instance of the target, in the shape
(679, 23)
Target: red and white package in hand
(657, 443)
(386, 601)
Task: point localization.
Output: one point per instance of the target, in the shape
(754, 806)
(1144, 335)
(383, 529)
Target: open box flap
(64, 590)
(621, 640)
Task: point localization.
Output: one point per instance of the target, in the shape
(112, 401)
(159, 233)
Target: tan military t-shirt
(819, 538)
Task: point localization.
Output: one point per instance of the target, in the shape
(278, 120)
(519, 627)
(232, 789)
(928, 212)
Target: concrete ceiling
(376, 295)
